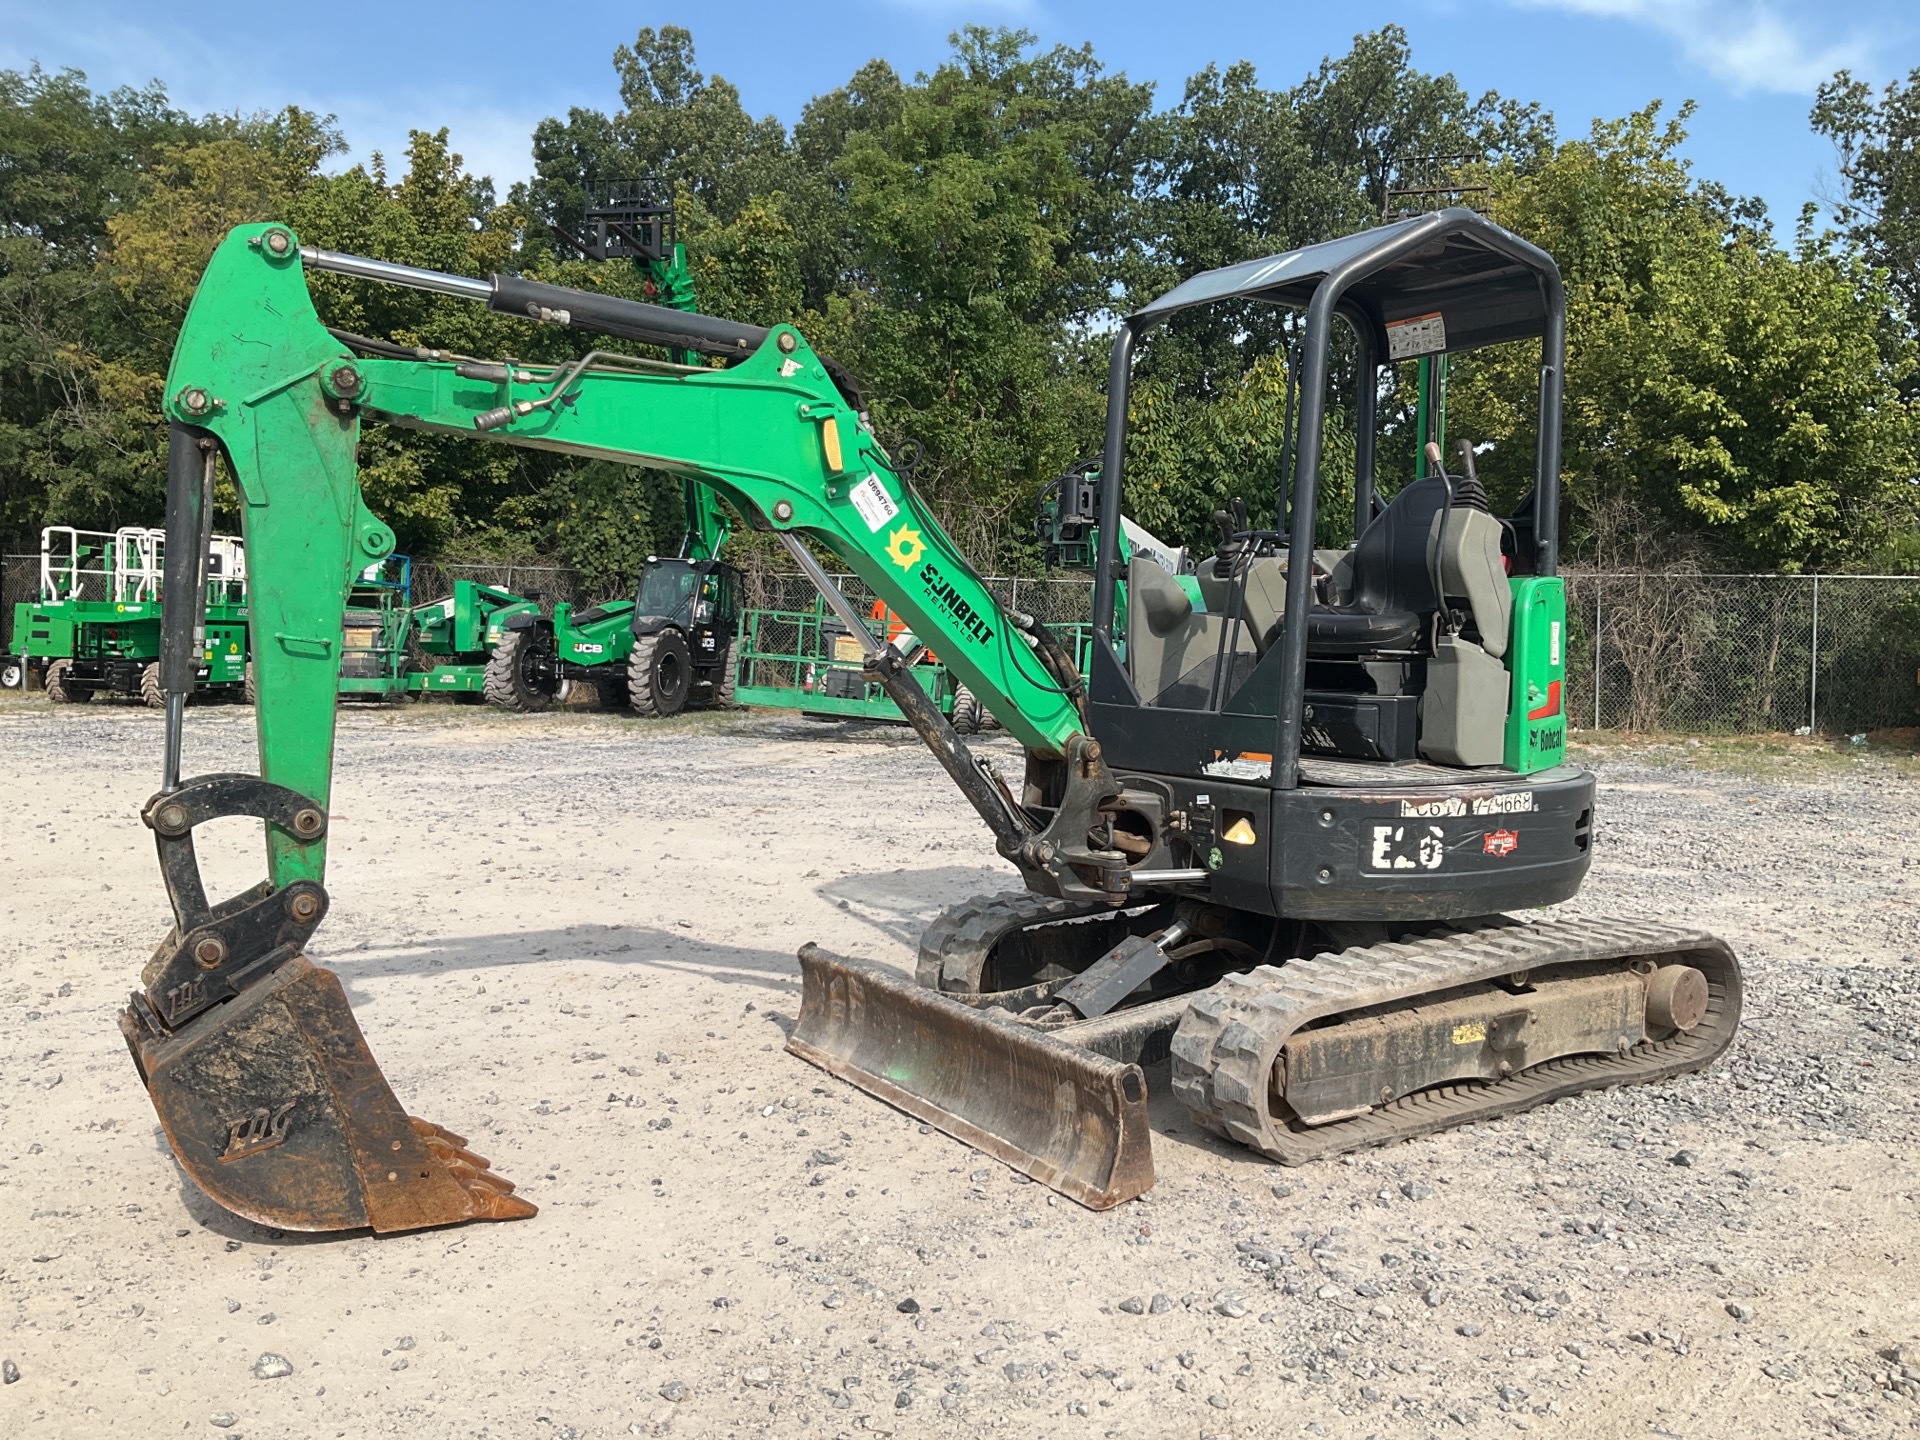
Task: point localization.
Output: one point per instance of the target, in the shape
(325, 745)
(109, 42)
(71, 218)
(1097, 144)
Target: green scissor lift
(94, 628)
(807, 660)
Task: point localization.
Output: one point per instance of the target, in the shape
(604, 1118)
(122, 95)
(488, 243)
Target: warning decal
(1416, 335)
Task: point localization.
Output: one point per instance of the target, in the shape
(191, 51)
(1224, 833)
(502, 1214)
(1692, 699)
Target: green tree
(991, 218)
(84, 342)
(70, 411)
(1879, 145)
(1241, 171)
(1738, 391)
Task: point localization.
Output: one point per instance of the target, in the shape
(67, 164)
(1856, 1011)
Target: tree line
(963, 241)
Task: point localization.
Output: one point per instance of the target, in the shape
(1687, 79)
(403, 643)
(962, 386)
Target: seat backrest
(1390, 564)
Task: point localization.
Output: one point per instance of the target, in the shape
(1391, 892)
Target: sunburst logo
(905, 547)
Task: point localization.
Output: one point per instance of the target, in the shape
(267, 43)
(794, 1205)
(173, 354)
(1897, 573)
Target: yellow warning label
(1471, 1033)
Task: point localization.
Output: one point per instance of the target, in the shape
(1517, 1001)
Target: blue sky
(490, 70)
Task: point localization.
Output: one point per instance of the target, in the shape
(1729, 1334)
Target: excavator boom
(262, 1080)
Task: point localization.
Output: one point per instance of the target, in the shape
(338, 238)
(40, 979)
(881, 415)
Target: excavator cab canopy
(1486, 285)
(1434, 284)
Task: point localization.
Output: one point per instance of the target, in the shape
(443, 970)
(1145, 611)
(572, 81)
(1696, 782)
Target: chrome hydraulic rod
(830, 592)
(387, 272)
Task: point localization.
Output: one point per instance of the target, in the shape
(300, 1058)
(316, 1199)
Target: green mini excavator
(1268, 837)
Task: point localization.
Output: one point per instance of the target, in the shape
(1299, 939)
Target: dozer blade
(277, 1110)
(1069, 1118)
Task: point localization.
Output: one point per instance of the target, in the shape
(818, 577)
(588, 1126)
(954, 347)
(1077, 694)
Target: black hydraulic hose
(1054, 659)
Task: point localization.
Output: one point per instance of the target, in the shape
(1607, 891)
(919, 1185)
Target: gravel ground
(570, 937)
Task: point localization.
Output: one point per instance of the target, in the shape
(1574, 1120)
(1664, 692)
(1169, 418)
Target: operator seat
(1447, 646)
(1385, 583)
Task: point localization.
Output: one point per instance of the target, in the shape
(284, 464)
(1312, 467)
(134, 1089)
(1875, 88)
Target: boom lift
(1270, 834)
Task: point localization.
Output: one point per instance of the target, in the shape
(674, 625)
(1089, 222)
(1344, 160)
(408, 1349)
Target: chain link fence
(19, 580)
(793, 623)
(548, 584)
(1743, 654)
(1670, 652)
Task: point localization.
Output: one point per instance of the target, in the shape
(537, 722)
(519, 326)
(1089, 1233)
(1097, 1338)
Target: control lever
(1436, 547)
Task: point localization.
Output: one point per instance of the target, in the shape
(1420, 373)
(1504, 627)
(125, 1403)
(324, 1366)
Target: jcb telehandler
(1270, 833)
(673, 645)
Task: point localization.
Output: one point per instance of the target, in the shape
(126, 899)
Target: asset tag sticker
(1416, 335)
(1240, 767)
(876, 507)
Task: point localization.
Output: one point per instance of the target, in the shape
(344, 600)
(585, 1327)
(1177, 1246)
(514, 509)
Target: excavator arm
(251, 1055)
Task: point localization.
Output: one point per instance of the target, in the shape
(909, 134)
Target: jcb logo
(1408, 847)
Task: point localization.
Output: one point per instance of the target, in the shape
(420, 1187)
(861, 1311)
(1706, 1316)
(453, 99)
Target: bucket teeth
(427, 1130)
(449, 1147)
(492, 1195)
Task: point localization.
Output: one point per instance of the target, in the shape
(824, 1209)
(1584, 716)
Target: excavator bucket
(1070, 1118)
(277, 1110)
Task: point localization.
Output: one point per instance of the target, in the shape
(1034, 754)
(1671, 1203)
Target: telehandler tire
(608, 694)
(13, 672)
(659, 674)
(509, 681)
(724, 686)
(151, 695)
(967, 712)
(250, 687)
(61, 690)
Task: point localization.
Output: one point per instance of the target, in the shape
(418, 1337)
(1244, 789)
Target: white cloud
(490, 141)
(1747, 44)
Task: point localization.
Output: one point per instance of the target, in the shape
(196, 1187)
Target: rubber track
(1230, 1038)
(954, 948)
(1210, 1012)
